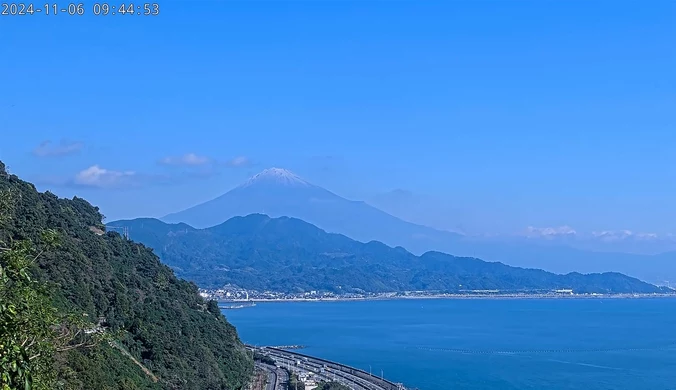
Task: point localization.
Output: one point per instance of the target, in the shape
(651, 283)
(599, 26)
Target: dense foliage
(259, 357)
(289, 255)
(27, 321)
(159, 332)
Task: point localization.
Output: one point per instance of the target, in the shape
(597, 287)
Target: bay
(486, 344)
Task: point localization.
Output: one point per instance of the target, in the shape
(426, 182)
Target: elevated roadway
(330, 371)
(277, 377)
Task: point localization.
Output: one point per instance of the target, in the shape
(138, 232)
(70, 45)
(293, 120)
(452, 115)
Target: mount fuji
(278, 192)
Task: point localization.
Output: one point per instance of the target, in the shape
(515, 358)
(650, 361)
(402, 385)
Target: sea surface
(500, 344)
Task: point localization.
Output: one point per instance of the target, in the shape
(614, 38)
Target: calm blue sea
(619, 344)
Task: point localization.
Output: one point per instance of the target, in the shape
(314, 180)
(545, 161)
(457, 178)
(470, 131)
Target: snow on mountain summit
(276, 176)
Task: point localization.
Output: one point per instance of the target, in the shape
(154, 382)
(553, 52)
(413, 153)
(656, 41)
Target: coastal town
(230, 293)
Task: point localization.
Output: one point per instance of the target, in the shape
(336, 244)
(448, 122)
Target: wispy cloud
(189, 166)
(98, 177)
(63, 148)
(549, 232)
(239, 162)
(102, 178)
(616, 235)
(188, 159)
(207, 165)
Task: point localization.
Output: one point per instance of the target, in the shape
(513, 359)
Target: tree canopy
(82, 309)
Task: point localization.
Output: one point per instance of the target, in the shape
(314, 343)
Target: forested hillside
(290, 255)
(114, 316)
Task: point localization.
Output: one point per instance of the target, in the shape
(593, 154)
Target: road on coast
(273, 382)
(329, 371)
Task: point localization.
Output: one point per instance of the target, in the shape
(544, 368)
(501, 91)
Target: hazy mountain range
(290, 255)
(278, 192)
(437, 213)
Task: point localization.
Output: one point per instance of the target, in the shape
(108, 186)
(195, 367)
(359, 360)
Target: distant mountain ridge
(278, 192)
(290, 255)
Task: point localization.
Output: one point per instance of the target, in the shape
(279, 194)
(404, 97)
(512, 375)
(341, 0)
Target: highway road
(273, 377)
(328, 375)
(328, 372)
(282, 379)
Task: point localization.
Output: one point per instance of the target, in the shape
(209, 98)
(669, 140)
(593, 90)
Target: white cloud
(192, 160)
(615, 235)
(188, 159)
(63, 148)
(550, 232)
(98, 177)
(240, 162)
(603, 236)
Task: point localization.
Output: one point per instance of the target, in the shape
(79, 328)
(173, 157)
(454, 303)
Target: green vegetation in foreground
(83, 309)
(289, 255)
(259, 357)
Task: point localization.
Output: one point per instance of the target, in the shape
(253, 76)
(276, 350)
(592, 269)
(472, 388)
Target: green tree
(27, 318)
(32, 331)
(59, 299)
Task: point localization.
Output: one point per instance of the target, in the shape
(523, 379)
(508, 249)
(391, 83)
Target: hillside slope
(287, 254)
(121, 286)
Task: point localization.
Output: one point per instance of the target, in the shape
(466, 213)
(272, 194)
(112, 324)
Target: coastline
(458, 296)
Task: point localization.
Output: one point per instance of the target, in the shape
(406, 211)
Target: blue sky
(500, 114)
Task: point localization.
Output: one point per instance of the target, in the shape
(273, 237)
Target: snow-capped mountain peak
(278, 176)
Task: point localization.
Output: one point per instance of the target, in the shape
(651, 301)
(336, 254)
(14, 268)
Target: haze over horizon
(479, 118)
